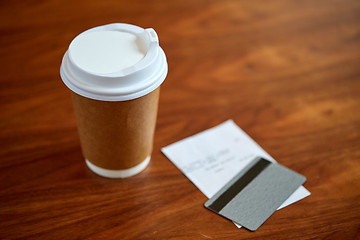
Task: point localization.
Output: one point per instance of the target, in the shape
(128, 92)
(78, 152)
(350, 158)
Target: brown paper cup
(116, 135)
(114, 73)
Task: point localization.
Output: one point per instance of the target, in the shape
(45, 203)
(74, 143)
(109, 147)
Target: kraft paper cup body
(117, 135)
(116, 111)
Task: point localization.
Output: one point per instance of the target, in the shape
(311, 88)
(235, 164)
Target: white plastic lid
(114, 62)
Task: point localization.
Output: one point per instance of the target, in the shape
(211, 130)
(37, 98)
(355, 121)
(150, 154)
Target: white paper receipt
(210, 159)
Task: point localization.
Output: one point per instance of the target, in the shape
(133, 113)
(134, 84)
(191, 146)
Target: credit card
(255, 193)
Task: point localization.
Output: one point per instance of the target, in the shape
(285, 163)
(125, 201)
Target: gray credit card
(255, 193)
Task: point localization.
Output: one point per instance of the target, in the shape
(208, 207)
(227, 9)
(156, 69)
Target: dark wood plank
(287, 72)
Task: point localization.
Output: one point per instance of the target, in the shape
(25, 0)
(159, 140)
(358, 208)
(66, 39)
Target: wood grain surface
(287, 72)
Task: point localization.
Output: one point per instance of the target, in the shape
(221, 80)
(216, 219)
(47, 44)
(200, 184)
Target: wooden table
(287, 72)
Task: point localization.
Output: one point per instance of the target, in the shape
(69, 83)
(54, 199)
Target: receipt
(213, 157)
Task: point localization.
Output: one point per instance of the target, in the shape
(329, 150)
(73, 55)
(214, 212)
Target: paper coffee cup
(115, 72)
